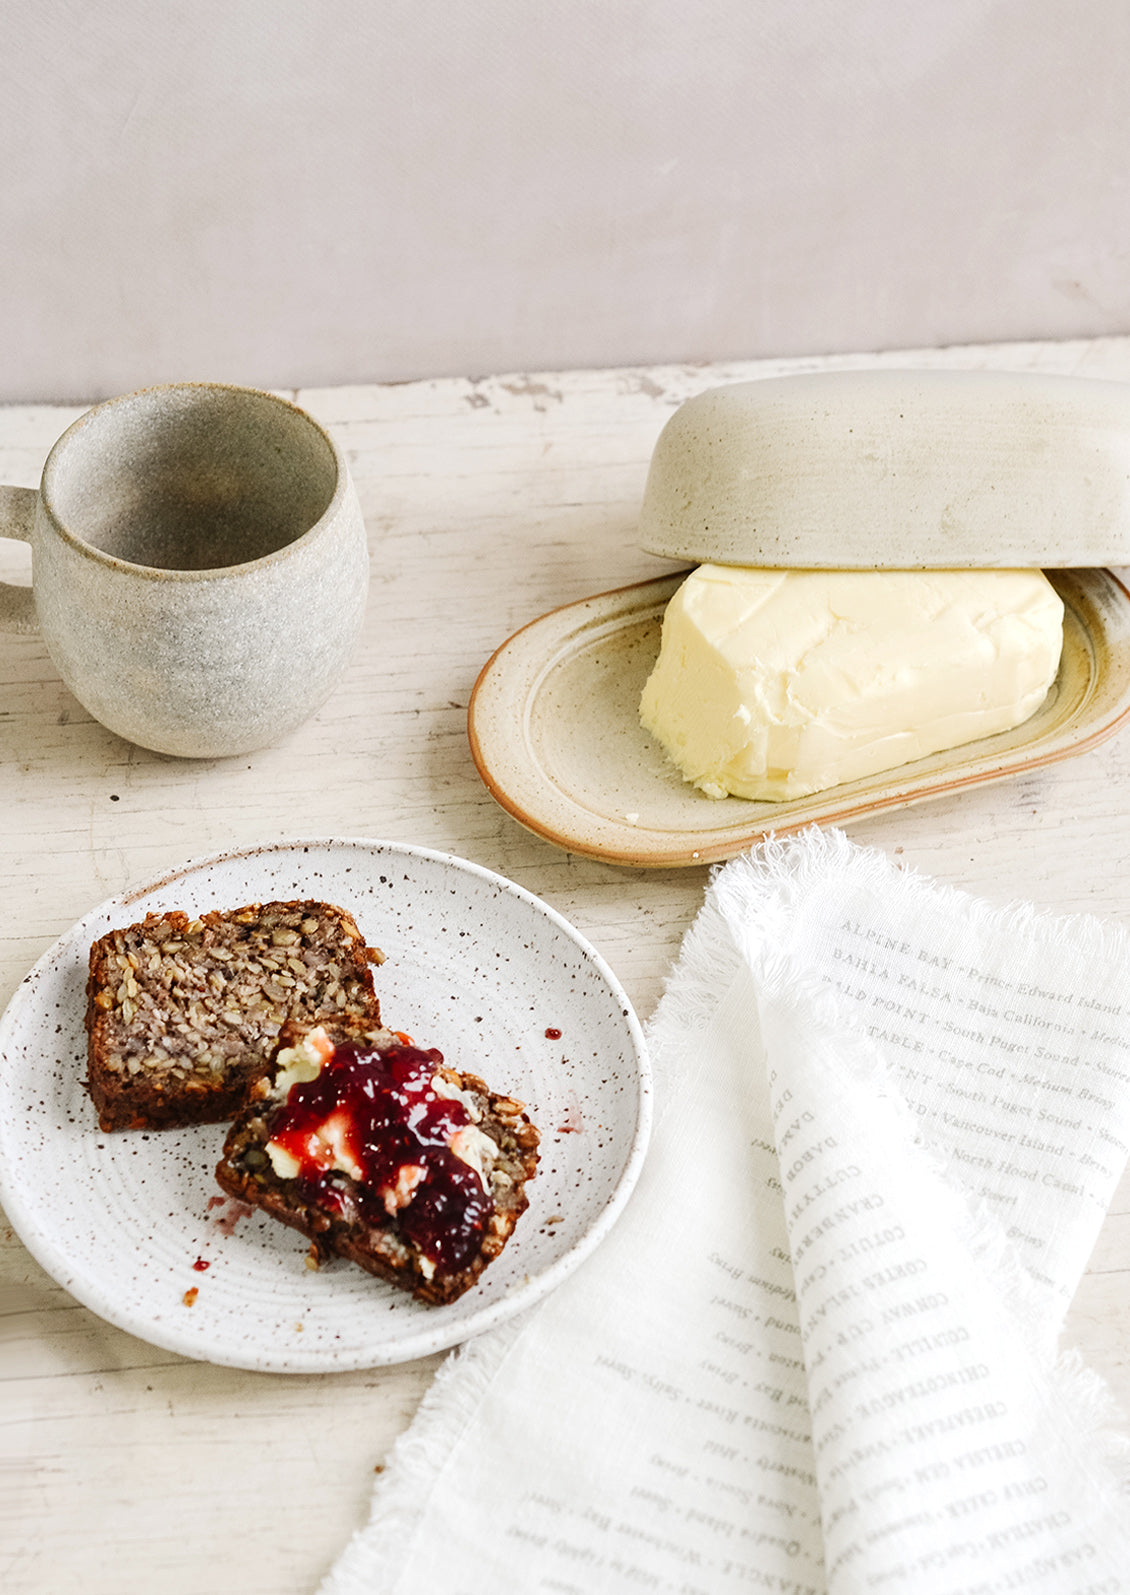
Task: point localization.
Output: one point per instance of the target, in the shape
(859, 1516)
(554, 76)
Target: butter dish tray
(554, 731)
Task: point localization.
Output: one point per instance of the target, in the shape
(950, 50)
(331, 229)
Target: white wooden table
(488, 502)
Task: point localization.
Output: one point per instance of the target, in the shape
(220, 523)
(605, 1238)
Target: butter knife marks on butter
(772, 684)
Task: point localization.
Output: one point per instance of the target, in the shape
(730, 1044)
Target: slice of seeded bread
(343, 1213)
(182, 1014)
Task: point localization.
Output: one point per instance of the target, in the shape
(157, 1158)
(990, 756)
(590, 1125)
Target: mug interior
(191, 477)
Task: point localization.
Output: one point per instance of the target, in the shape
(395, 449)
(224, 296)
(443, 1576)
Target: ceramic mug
(199, 566)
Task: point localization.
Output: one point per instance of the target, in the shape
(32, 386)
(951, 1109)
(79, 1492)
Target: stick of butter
(772, 684)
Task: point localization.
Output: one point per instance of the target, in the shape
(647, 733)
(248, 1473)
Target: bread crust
(182, 1014)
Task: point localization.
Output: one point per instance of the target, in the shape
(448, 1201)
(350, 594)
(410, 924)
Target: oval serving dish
(554, 731)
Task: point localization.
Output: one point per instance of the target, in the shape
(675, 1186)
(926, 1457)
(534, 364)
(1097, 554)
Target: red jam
(377, 1111)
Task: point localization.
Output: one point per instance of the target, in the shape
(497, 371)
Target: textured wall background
(289, 192)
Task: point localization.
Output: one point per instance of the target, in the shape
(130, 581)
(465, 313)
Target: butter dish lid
(895, 469)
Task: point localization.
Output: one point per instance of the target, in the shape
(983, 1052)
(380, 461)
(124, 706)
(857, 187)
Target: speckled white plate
(555, 732)
(475, 966)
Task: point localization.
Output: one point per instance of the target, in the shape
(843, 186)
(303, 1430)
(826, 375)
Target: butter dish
(555, 732)
(874, 470)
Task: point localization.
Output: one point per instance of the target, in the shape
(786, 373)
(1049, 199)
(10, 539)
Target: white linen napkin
(818, 1352)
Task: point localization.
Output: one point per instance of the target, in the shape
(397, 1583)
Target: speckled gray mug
(199, 566)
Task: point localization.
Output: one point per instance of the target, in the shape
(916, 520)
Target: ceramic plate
(131, 1222)
(555, 732)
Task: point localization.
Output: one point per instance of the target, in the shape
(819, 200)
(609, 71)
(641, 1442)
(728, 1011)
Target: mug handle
(17, 606)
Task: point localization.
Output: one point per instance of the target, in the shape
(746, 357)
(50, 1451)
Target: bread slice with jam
(380, 1153)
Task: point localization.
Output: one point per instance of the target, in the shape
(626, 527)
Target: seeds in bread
(182, 1014)
(380, 1153)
